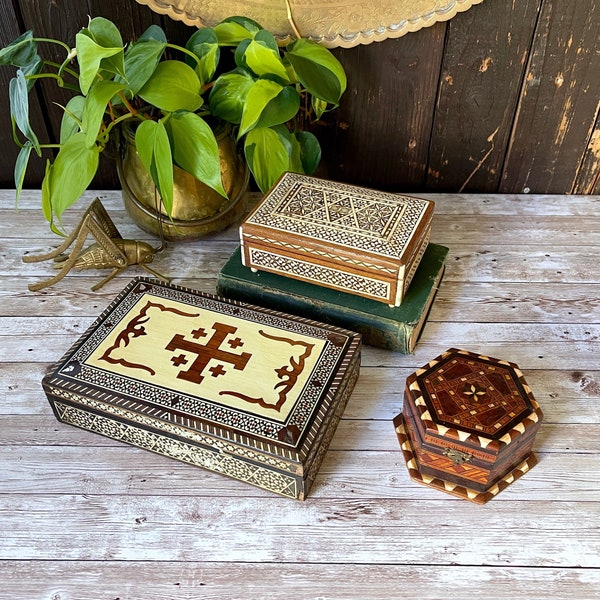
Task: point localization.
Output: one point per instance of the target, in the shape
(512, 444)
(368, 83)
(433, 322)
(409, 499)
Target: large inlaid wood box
(468, 424)
(243, 391)
(340, 236)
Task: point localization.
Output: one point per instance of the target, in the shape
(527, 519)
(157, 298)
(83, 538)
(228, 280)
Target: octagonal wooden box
(343, 237)
(468, 424)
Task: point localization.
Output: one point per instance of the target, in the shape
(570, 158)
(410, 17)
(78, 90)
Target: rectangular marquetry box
(468, 424)
(340, 236)
(243, 391)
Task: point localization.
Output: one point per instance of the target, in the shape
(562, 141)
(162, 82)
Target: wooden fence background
(502, 98)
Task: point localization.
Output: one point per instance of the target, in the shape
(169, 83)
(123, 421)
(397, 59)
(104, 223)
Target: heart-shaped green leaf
(141, 60)
(205, 46)
(70, 175)
(94, 107)
(228, 95)
(21, 167)
(106, 34)
(154, 150)
(22, 53)
(90, 56)
(310, 151)
(154, 32)
(19, 107)
(318, 70)
(173, 86)
(71, 119)
(262, 59)
(268, 103)
(233, 30)
(195, 149)
(268, 155)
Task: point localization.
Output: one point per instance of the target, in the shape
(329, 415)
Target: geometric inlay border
(453, 488)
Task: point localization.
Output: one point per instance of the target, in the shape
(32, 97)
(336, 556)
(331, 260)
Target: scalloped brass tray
(333, 23)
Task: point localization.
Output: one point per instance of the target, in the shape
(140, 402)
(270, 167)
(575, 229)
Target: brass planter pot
(197, 209)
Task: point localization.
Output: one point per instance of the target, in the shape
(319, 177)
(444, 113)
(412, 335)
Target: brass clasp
(456, 456)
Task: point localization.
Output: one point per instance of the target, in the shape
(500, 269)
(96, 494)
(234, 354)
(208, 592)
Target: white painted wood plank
(522, 283)
(123, 470)
(160, 580)
(566, 397)
(452, 229)
(531, 205)
(381, 531)
(351, 434)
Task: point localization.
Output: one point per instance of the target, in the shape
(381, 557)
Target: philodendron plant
(167, 92)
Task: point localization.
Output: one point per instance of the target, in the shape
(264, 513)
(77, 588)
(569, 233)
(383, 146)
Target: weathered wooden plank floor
(82, 516)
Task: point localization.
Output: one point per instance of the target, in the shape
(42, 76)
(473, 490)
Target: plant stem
(65, 69)
(52, 41)
(127, 104)
(185, 51)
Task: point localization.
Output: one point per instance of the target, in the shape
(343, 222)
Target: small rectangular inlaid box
(243, 391)
(468, 424)
(395, 328)
(340, 236)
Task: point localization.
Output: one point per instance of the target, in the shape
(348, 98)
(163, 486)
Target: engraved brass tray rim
(329, 32)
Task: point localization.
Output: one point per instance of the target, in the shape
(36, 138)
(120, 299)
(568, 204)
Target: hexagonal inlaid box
(468, 424)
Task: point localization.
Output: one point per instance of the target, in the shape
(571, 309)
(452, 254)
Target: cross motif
(474, 391)
(209, 351)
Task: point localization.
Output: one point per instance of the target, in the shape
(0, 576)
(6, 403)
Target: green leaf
(267, 104)
(319, 106)
(262, 59)
(195, 149)
(35, 67)
(90, 56)
(22, 53)
(268, 156)
(310, 151)
(70, 174)
(141, 60)
(268, 39)
(19, 108)
(231, 31)
(46, 205)
(106, 34)
(95, 105)
(173, 86)
(154, 32)
(228, 95)
(71, 119)
(154, 150)
(205, 46)
(318, 70)
(21, 167)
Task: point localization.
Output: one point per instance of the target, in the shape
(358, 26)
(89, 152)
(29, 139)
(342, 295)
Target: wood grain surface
(82, 516)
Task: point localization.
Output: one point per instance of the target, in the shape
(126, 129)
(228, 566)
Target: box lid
(472, 399)
(357, 222)
(248, 375)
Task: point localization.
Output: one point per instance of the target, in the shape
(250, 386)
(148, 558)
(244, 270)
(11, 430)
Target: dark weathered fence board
(559, 100)
(483, 67)
(496, 99)
(384, 122)
(588, 178)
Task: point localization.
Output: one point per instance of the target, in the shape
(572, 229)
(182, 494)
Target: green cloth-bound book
(393, 328)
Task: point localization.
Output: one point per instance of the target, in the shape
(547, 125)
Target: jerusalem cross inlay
(206, 352)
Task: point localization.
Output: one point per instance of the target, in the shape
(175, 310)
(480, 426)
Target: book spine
(386, 334)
